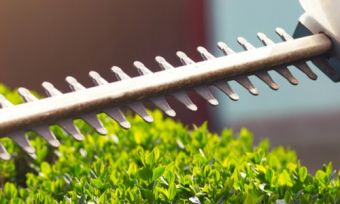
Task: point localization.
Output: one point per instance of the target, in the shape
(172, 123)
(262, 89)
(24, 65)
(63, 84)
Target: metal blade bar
(243, 80)
(53, 109)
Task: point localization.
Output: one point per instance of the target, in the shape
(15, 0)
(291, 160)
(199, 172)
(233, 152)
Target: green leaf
(157, 172)
(172, 191)
(284, 179)
(165, 162)
(97, 183)
(45, 168)
(145, 173)
(303, 172)
(10, 190)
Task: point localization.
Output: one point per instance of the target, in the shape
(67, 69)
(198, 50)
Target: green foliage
(163, 162)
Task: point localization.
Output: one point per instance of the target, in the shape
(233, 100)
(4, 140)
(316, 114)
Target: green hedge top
(162, 162)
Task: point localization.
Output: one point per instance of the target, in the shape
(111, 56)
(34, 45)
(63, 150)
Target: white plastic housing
(323, 16)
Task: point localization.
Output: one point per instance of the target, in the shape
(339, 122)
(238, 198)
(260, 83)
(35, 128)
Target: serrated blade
(180, 96)
(90, 118)
(223, 86)
(203, 91)
(243, 80)
(282, 70)
(20, 138)
(263, 75)
(159, 101)
(3, 153)
(137, 107)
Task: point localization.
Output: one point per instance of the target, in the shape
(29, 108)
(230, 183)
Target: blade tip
(171, 113)
(192, 107)
(125, 124)
(5, 156)
(213, 102)
(148, 118)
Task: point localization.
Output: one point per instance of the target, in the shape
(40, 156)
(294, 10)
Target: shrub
(163, 162)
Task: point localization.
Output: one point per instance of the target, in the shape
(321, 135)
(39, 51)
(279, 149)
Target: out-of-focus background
(43, 40)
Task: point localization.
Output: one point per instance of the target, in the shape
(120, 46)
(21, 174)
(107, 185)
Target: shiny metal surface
(86, 103)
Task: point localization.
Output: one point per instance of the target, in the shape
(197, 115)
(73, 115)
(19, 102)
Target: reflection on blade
(21, 139)
(117, 114)
(203, 91)
(3, 153)
(284, 71)
(4, 103)
(70, 128)
(141, 111)
(302, 66)
(95, 123)
(46, 133)
(223, 86)
(263, 75)
(160, 101)
(246, 83)
(114, 112)
(243, 80)
(137, 107)
(180, 96)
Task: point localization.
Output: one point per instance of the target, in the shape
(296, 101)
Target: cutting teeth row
(203, 91)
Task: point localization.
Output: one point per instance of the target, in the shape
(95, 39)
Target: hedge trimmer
(316, 39)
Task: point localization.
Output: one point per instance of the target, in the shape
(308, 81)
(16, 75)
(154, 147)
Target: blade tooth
(284, 71)
(206, 94)
(203, 91)
(283, 34)
(141, 111)
(303, 67)
(185, 100)
(70, 128)
(119, 73)
(117, 115)
(49, 136)
(225, 87)
(163, 63)
(21, 139)
(206, 55)
(180, 96)
(247, 84)
(26, 95)
(323, 65)
(184, 58)
(142, 68)
(32, 155)
(97, 79)
(161, 103)
(225, 48)
(245, 44)
(4, 103)
(264, 39)
(74, 84)
(263, 75)
(243, 80)
(92, 119)
(3, 153)
(267, 79)
(50, 89)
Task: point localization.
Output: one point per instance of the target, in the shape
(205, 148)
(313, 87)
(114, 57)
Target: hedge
(162, 162)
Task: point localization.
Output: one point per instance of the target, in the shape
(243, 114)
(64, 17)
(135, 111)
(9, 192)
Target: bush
(163, 162)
